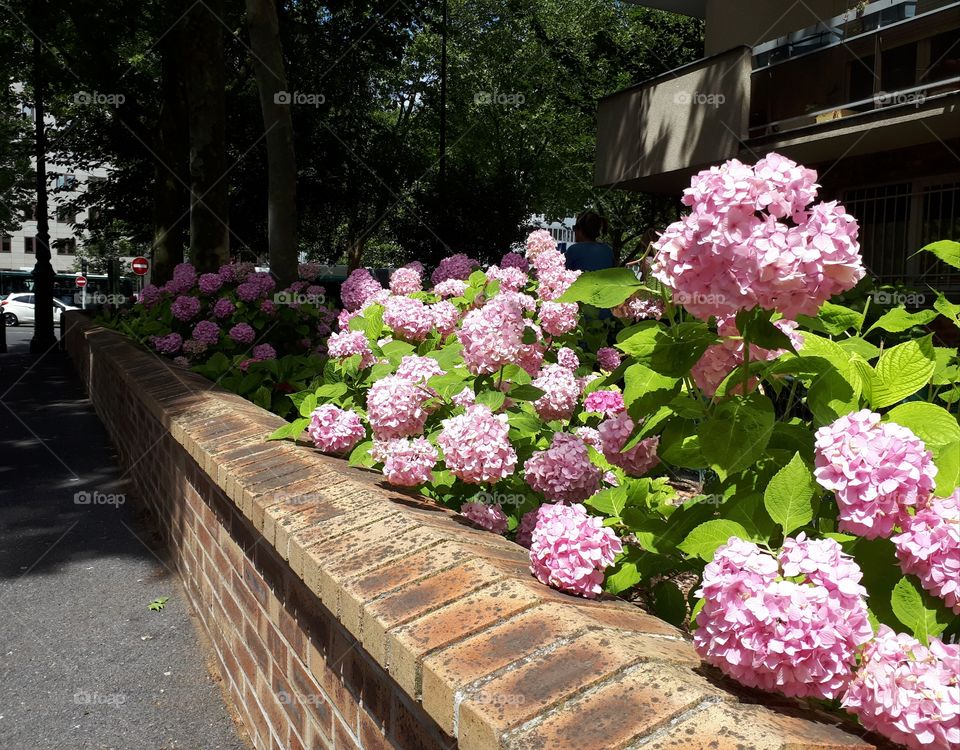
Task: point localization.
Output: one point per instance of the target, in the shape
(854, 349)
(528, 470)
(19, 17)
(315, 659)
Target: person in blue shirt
(586, 254)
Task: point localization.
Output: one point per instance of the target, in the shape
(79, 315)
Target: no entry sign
(140, 266)
(81, 281)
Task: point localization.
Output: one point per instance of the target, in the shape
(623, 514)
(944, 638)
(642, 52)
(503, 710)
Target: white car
(18, 307)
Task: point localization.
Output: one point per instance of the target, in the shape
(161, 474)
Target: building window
(30, 213)
(66, 181)
(5, 244)
(66, 247)
(29, 245)
(66, 215)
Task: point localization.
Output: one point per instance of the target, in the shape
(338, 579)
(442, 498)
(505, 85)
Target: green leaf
(681, 446)
(360, 456)
(898, 320)
(947, 308)
(671, 352)
(668, 603)
(525, 393)
(737, 434)
(789, 495)
(645, 390)
(290, 431)
(946, 250)
(449, 356)
(902, 371)
(396, 350)
(604, 289)
(308, 404)
(917, 610)
(856, 345)
(610, 501)
(158, 604)
(756, 327)
(836, 318)
(523, 424)
(704, 540)
(933, 424)
(947, 460)
(493, 399)
(832, 395)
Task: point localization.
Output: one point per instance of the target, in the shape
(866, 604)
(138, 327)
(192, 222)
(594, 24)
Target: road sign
(140, 266)
(81, 281)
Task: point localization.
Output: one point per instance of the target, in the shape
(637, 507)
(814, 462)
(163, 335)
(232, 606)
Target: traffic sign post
(82, 284)
(140, 266)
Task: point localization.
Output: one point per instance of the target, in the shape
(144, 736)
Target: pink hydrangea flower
(408, 462)
(263, 352)
(396, 408)
(929, 548)
(476, 445)
(796, 637)
(492, 335)
(641, 306)
(243, 333)
(335, 430)
(311, 271)
(445, 316)
(406, 280)
(515, 260)
(358, 288)
(590, 436)
(210, 283)
(735, 249)
(570, 550)
(511, 279)
(558, 318)
(184, 279)
(150, 295)
(561, 393)
(465, 398)
(450, 288)
(608, 359)
(235, 273)
(348, 343)
(909, 692)
(207, 331)
(490, 517)
(223, 308)
(539, 241)
(568, 358)
(418, 369)
(525, 530)
(457, 266)
(409, 318)
(875, 469)
(563, 472)
(608, 403)
(615, 432)
(554, 281)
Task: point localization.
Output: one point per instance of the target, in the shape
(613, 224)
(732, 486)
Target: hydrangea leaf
(917, 610)
(898, 320)
(933, 424)
(737, 434)
(604, 289)
(704, 540)
(947, 460)
(668, 603)
(946, 250)
(902, 371)
(789, 495)
(290, 431)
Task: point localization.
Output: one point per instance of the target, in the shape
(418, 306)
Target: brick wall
(346, 615)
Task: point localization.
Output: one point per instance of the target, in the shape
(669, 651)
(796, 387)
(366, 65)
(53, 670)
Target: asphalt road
(84, 663)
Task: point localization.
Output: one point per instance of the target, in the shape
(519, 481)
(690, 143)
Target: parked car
(18, 308)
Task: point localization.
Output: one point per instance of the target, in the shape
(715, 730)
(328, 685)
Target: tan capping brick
(425, 602)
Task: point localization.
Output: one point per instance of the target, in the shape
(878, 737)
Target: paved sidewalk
(83, 662)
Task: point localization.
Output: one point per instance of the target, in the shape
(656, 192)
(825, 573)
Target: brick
(326, 669)
(720, 726)
(292, 634)
(408, 644)
(317, 706)
(418, 598)
(343, 738)
(521, 693)
(651, 695)
(282, 521)
(413, 728)
(294, 495)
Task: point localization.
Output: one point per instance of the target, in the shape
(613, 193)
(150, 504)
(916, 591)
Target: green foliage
(158, 604)
(789, 496)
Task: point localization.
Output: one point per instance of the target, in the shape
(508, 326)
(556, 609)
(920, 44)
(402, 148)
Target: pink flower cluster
(348, 343)
(407, 462)
(570, 550)
(515, 260)
(418, 369)
(929, 548)
(406, 280)
(563, 472)
(311, 271)
(476, 445)
(608, 359)
(445, 316)
(396, 408)
(492, 335)
(608, 403)
(558, 318)
(185, 307)
(450, 288)
(169, 344)
(457, 266)
(561, 393)
(243, 333)
(567, 357)
(490, 517)
(909, 692)
(641, 306)
(752, 238)
(539, 241)
(876, 471)
(358, 288)
(796, 638)
(615, 432)
(511, 279)
(409, 318)
(335, 430)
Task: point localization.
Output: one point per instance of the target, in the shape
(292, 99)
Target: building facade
(866, 93)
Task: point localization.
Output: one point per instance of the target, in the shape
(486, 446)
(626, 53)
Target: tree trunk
(43, 338)
(275, 101)
(170, 199)
(203, 53)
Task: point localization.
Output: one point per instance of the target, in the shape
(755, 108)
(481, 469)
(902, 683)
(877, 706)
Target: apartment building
(867, 93)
